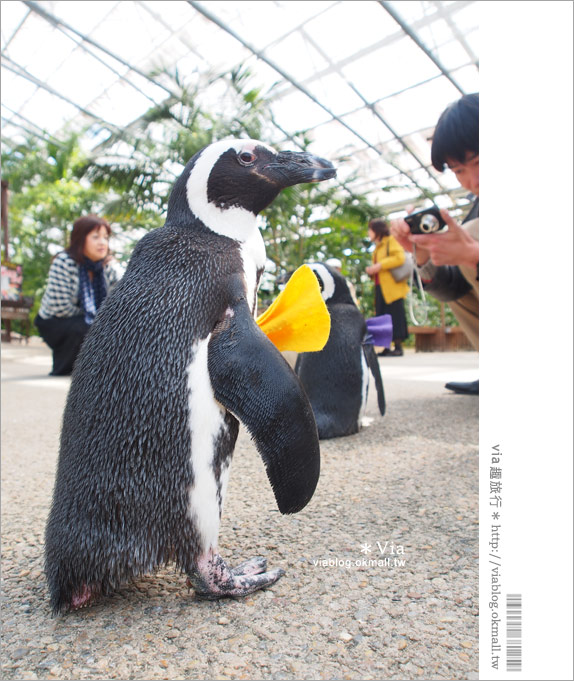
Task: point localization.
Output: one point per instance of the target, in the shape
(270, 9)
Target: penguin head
(334, 287)
(228, 183)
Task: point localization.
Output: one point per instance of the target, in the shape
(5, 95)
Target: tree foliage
(128, 179)
(45, 197)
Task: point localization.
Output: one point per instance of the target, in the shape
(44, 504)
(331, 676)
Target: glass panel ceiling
(368, 79)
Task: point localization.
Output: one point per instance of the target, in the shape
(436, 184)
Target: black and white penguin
(336, 378)
(173, 361)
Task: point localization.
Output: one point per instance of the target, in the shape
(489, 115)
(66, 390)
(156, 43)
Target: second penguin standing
(336, 379)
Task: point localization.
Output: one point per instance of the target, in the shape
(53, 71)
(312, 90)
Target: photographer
(449, 261)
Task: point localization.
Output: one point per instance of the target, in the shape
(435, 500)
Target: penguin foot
(213, 579)
(252, 566)
(84, 597)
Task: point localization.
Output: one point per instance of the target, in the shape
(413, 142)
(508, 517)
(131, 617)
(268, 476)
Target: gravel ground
(407, 484)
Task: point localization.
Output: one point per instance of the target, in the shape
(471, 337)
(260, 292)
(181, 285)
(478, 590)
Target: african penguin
(173, 361)
(336, 379)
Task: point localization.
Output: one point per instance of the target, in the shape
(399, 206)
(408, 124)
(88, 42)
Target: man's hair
(456, 132)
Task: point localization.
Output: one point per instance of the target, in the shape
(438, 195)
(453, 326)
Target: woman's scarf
(92, 291)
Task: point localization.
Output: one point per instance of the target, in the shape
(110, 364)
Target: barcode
(513, 632)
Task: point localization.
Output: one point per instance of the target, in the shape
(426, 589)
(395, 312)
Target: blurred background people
(389, 294)
(78, 281)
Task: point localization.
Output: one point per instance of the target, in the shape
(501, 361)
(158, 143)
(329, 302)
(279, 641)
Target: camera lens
(429, 223)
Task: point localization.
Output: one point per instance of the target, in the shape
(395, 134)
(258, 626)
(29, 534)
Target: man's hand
(454, 247)
(400, 230)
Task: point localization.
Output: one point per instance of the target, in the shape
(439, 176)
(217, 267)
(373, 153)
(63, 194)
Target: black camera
(427, 221)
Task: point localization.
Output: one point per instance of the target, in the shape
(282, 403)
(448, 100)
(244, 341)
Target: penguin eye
(246, 158)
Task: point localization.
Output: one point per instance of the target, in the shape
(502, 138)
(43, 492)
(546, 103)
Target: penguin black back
(126, 384)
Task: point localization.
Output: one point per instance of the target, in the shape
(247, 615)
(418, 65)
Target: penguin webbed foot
(214, 579)
(251, 566)
(86, 595)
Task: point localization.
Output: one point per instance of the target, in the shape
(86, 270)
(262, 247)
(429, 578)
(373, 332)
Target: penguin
(336, 378)
(173, 362)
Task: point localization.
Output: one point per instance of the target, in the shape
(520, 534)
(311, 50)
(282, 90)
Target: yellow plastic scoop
(298, 319)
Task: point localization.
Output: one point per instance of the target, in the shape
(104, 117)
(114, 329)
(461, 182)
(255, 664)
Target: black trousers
(64, 335)
(397, 312)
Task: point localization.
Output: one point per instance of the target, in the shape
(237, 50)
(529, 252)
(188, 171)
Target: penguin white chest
(253, 256)
(207, 424)
(364, 386)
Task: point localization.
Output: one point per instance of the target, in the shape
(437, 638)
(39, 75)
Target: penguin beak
(297, 167)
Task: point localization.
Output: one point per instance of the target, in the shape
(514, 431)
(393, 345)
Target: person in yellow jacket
(389, 294)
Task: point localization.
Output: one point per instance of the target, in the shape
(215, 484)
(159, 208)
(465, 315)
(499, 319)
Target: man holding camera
(448, 260)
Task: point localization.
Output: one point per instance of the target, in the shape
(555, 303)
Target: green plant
(45, 197)
(128, 179)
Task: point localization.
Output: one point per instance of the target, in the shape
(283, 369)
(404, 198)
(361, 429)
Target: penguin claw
(247, 584)
(252, 566)
(213, 579)
(240, 586)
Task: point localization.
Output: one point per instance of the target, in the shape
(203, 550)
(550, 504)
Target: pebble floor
(381, 567)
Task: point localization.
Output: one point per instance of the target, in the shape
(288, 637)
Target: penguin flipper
(373, 363)
(251, 379)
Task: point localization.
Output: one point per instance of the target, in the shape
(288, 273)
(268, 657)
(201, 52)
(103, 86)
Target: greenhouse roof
(366, 79)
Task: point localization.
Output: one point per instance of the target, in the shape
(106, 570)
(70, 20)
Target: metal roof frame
(288, 81)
